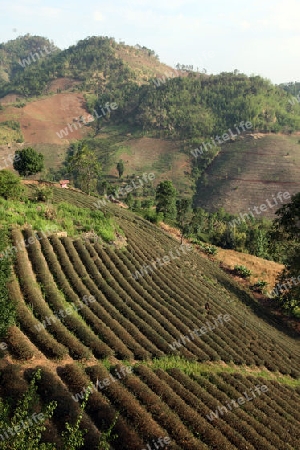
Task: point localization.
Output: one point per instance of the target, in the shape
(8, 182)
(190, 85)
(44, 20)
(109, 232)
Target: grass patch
(196, 368)
(10, 131)
(63, 216)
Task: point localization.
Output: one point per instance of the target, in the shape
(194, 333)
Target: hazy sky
(259, 37)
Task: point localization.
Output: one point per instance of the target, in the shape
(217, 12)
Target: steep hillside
(174, 376)
(93, 64)
(13, 52)
(42, 121)
(248, 172)
(160, 118)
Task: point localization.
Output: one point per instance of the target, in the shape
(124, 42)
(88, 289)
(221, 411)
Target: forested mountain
(198, 105)
(93, 61)
(153, 101)
(185, 105)
(12, 54)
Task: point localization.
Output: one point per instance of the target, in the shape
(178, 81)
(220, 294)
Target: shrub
(208, 249)
(242, 271)
(7, 309)
(259, 286)
(28, 162)
(43, 194)
(10, 185)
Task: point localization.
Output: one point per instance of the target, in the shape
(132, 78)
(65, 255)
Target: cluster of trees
(26, 162)
(83, 164)
(198, 106)
(14, 51)
(278, 240)
(286, 234)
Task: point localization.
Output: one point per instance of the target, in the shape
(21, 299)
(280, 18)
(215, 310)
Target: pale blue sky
(258, 36)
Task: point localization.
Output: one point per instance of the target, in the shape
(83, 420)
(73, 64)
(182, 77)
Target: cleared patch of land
(41, 120)
(248, 172)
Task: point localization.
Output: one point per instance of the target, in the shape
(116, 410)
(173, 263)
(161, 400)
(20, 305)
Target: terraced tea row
(156, 403)
(130, 318)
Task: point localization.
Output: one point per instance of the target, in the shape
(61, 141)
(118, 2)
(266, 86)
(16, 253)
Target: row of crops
(136, 322)
(159, 403)
(137, 319)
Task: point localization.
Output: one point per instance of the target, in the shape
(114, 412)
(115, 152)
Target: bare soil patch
(42, 119)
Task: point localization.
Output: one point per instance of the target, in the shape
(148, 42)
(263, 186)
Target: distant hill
(96, 64)
(247, 172)
(177, 111)
(14, 52)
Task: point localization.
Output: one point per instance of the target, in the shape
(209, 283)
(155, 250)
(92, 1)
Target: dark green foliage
(120, 168)
(259, 286)
(10, 185)
(83, 164)
(190, 108)
(220, 229)
(43, 194)
(7, 309)
(138, 319)
(287, 228)
(208, 106)
(208, 249)
(288, 220)
(28, 162)
(166, 199)
(242, 271)
(80, 61)
(12, 124)
(184, 215)
(28, 438)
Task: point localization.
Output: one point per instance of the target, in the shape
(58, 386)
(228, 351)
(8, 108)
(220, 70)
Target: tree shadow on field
(258, 309)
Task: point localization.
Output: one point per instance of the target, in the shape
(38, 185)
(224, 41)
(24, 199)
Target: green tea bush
(7, 309)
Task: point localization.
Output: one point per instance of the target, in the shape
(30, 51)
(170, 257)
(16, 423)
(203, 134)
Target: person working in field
(207, 307)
